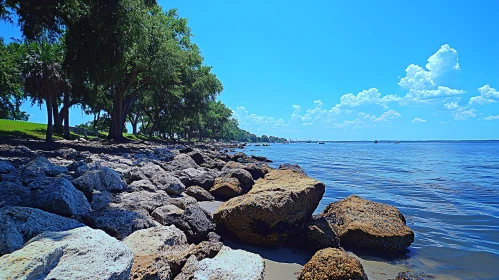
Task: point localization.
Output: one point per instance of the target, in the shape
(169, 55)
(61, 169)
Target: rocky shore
(97, 210)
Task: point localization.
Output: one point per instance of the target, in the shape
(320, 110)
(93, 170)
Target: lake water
(448, 192)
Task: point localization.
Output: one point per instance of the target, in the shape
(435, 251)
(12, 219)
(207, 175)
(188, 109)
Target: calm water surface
(448, 191)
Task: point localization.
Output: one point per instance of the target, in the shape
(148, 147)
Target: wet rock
(199, 193)
(332, 263)
(244, 177)
(169, 183)
(294, 167)
(191, 176)
(20, 224)
(273, 211)
(364, 224)
(59, 196)
(80, 253)
(227, 264)
(226, 188)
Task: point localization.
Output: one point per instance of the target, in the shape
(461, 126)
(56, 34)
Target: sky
(349, 70)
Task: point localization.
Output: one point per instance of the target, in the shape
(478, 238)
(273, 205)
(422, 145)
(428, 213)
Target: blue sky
(350, 70)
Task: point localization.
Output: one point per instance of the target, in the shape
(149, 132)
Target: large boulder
(257, 170)
(226, 188)
(180, 162)
(80, 253)
(192, 220)
(228, 264)
(169, 183)
(20, 224)
(244, 177)
(320, 234)
(199, 193)
(275, 209)
(142, 185)
(368, 225)
(161, 252)
(149, 247)
(14, 193)
(121, 214)
(58, 196)
(104, 179)
(294, 167)
(332, 263)
(196, 177)
(6, 167)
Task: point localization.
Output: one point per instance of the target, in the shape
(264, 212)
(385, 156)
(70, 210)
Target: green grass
(29, 130)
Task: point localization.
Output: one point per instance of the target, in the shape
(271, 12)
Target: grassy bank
(30, 130)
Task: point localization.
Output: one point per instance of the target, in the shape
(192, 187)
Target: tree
(10, 81)
(44, 79)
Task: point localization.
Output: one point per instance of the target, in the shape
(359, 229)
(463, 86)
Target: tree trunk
(96, 119)
(57, 117)
(134, 126)
(48, 136)
(116, 128)
(66, 115)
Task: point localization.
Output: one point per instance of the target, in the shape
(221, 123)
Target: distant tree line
(122, 61)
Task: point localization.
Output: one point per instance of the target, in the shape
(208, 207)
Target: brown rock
(364, 224)
(257, 170)
(226, 188)
(332, 263)
(199, 193)
(275, 209)
(320, 234)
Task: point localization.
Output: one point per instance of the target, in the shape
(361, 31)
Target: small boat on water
(396, 142)
(375, 141)
(322, 143)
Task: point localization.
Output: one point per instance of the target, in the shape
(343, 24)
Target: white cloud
(369, 96)
(492, 118)
(418, 120)
(487, 95)
(367, 120)
(255, 123)
(451, 105)
(422, 82)
(464, 113)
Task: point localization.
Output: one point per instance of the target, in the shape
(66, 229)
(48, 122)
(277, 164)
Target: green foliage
(10, 82)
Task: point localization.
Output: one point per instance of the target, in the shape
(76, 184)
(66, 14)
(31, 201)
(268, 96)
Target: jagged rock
(6, 167)
(238, 156)
(214, 237)
(169, 183)
(178, 258)
(197, 156)
(214, 164)
(273, 211)
(58, 196)
(320, 234)
(120, 222)
(244, 177)
(148, 169)
(191, 176)
(364, 224)
(13, 193)
(199, 193)
(142, 185)
(226, 188)
(148, 201)
(332, 263)
(180, 162)
(20, 224)
(227, 264)
(80, 253)
(192, 221)
(257, 170)
(261, 158)
(294, 167)
(155, 240)
(69, 153)
(41, 166)
(101, 179)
